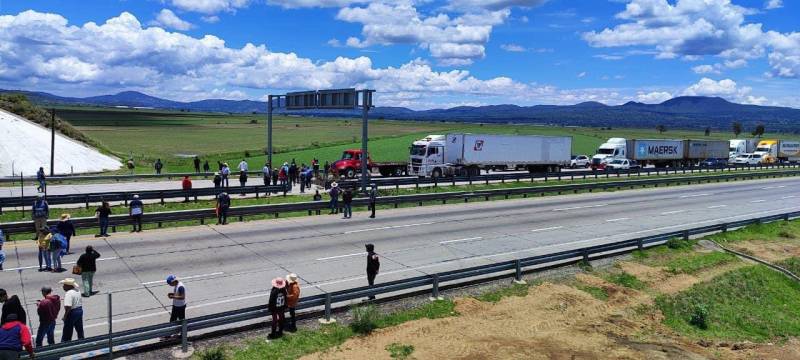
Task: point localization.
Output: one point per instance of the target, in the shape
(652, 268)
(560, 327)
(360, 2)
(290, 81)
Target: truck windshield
(764, 149)
(605, 151)
(733, 149)
(347, 155)
(418, 150)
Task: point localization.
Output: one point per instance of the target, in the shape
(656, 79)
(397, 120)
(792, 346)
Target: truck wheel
(437, 173)
(350, 173)
(383, 172)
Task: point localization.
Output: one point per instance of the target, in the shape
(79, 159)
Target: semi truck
(741, 146)
(776, 151)
(661, 152)
(468, 154)
(350, 165)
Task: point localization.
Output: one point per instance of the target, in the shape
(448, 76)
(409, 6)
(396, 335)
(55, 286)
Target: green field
(151, 134)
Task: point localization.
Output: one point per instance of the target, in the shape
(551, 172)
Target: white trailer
(467, 154)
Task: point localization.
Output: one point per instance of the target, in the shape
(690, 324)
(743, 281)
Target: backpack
(58, 241)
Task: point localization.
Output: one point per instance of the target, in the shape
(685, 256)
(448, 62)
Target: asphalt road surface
(229, 267)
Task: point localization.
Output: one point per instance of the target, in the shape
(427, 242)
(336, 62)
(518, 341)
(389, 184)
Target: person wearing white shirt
(243, 166)
(267, 172)
(73, 310)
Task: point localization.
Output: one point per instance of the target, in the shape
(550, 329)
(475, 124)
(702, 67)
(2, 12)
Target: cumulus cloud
(513, 48)
(725, 88)
(773, 4)
(210, 6)
(705, 69)
(213, 19)
(294, 4)
(655, 97)
(694, 28)
(494, 4)
(581, 75)
(168, 19)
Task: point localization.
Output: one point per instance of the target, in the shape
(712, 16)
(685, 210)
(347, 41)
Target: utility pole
(269, 130)
(366, 102)
(52, 141)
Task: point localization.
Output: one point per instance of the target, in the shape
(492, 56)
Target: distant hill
(686, 112)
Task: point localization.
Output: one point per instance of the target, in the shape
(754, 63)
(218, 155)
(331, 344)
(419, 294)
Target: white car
(579, 161)
(622, 164)
(748, 159)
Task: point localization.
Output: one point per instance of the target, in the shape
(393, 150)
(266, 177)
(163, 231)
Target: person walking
(88, 265)
(15, 336)
(226, 173)
(334, 193)
(66, 228)
(178, 297)
(158, 166)
(242, 181)
(40, 212)
(347, 198)
(41, 180)
(217, 180)
(196, 164)
(58, 244)
(102, 213)
(373, 197)
(186, 185)
(277, 307)
(11, 306)
(266, 172)
(243, 166)
(136, 211)
(223, 204)
(73, 310)
(206, 167)
(292, 298)
(47, 308)
(2, 253)
(373, 266)
(43, 242)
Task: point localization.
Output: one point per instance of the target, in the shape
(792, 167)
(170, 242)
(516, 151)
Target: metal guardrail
(406, 286)
(168, 176)
(311, 207)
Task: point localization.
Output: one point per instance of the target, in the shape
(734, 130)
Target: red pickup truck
(350, 165)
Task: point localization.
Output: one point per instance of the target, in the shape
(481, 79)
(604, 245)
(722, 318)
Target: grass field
(152, 134)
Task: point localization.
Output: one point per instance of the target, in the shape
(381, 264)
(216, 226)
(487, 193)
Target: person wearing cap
(43, 242)
(73, 310)
(135, 211)
(373, 266)
(373, 197)
(178, 297)
(15, 336)
(334, 193)
(40, 212)
(66, 228)
(223, 204)
(217, 180)
(47, 308)
(277, 307)
(293, 296)
(88, 264)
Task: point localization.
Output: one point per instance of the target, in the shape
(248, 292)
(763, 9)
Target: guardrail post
(110, 332)
(436, 296)
(184, 337)
(162, 197)
(87, 201)
(786, 217)
(586, 256)
(435, 181)
(686, 235)
(518, 272)
(454, 179)
(327, 319)
(640, 244)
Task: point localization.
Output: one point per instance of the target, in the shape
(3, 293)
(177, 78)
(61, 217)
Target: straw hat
(334, 184)
(69, 282)
(292, 278)
(65, 216)
(135, 196)
(278, 283)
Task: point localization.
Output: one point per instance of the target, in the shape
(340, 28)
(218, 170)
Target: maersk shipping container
(656, 149)
(497, 150)
(707, 149)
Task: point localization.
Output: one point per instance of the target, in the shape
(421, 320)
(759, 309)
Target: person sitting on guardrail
(277, 307)
(73, 310)
(158, 166)
(178, 297)
(43, 242)
(87, 263)
(102, 213)
(15, 336)
(293, 296)
(47, 308)
(334, 193)
(373, 266)
(40, 212)
(186, 185)
(66, 228)
(135, 211)
(41, 180)
(223, 204)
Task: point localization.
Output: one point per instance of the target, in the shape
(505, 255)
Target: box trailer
(698, 150)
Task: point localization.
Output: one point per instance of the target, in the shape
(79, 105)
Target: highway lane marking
(619, 219)
(63, 263)
(758, 201)
(341, 256)
(580, 207)
(548, 229)
(773, 187)
(185, 278)
(387, 227)
(789, 197)
(695, 195)
(460, 240)
(673, 212)
(717, 206)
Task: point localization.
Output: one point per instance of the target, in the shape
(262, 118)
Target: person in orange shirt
(293, 297)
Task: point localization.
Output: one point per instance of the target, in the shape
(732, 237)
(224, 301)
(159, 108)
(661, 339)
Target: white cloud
(493, 4)
(705, 69)
(513, 48)
(294, 4)
(168, 19)
(334, 43)
(609, 57)
(655, 97)
(213, 19)
(773, 4)
(210, 6)
(725, 88)
(581, 74)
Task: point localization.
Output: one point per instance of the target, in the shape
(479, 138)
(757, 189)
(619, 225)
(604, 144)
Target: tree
(708, 131)
(661, 129)
(759, 131)
(737, 128)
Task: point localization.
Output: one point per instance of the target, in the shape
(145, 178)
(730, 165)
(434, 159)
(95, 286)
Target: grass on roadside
(626, 280)
(764, 232)
(699, 261)
(506, 291)
(597, 292)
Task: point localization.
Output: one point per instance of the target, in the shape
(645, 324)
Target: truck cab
(427, 157)
(768, 149)
(611, 149)
(350, 164)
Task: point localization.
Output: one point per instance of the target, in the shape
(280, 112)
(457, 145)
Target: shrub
(699, 316)
(365, 319)
(679, 244)
(254, 121)
(216, 353)
(399, 351)
(247, 153)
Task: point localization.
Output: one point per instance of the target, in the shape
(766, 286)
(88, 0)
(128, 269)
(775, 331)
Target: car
(748, 159)
(713, 163)
(579, 161)
(622, 164)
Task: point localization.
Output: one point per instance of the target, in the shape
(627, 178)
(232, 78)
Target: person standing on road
(57, 244)
(293, 172)
(158, 166)
(14, 337)
(186, 185)
(347, 198)
(11, 305)
(40, 212)
(373, 197)
(197, 164)
(223, 204)
(334, 193)
(266, 172)
(303, 180)
(373, 266)
(88, 264)
(41, 180)
(43, 242)
(217, 180)
(47, 308)
(206, 167)
(73, 310)
(135, 211)
(102, 213)
(226, 173)
(66, 228)
(293, 296)
(277, 307)
(243, 166)
(178, 297)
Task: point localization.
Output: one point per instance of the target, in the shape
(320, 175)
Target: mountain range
(686, 112)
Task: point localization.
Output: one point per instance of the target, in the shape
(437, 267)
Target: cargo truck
(350, 165)
(468, 154)
(611, 149)
(740, 147)
(661, 152)
(776, 151)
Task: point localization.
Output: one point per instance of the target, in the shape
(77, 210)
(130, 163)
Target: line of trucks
(467, 154)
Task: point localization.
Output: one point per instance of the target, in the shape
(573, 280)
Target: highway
(229, 267)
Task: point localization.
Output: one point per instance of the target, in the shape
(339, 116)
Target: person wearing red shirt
(14, 337)
(187, 185)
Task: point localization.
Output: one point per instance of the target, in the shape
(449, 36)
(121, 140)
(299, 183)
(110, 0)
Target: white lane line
(387, 227)
(63, 263)
(616, 220)
(773, 187)
(185, 278)
(548, 229)
(460, 240)
(716, 206)
(673, 212)
(789, 197)
(758, 201)
(580, 207)
(341, 256)
(695, 195)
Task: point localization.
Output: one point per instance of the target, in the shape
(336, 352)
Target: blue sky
(416, 53)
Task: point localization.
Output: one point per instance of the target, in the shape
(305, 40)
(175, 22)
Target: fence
(411, 286)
